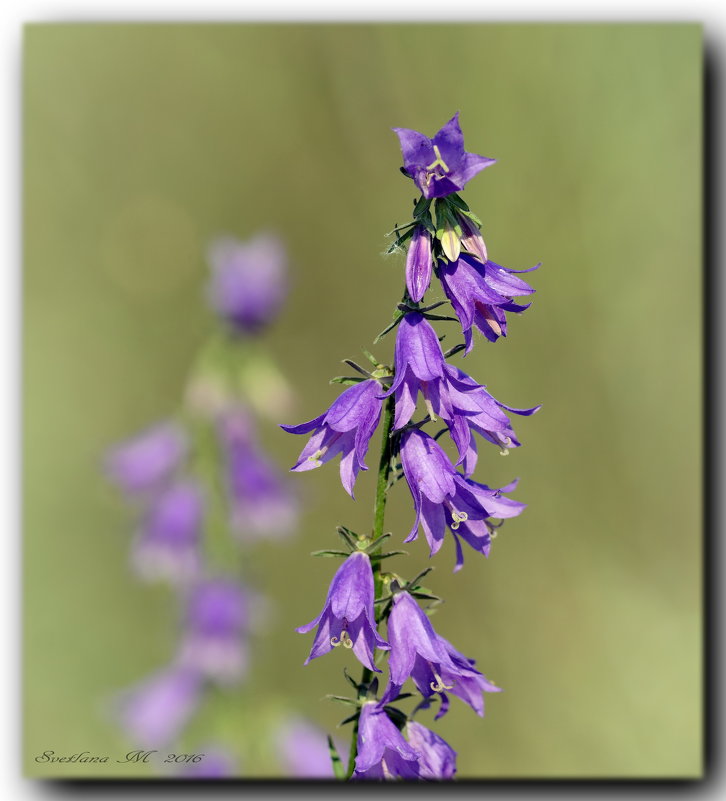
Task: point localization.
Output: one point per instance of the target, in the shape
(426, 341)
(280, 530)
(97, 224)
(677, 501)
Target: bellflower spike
(249, 281)
(382, 751)
(345, 429)
(420, 366)
(439, 166)
(261, 501)
(438, 758)
(148, 460)
(419, 264)
(481, 294)
(348, 618)
(432, 662)
(168, 545)
(217, 620)
(444, 498)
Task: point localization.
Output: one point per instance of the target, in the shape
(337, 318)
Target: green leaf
(346, 380)
(349, 719)
(344, 554)
(341, 699)
(338, 767)
(351, 680)
(371, 358)
(349, 537)
(388, 554)
(377, 542)
(398, 717)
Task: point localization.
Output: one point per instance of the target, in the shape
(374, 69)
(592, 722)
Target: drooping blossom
(155, 712)
(481, 294)
(444, 498)
(419, 263)
(216, 624)
(346, 429)
(421, 367)
(149, 459)
(249, 281)
(383, 753)
(437, 758)
(348, 618)
(261, 500)
(168, 544)
(417, 651)
(439, 166)
(303, 750)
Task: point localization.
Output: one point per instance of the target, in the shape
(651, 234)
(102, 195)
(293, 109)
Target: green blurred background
(141, 142)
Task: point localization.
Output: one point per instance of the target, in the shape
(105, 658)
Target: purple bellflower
(382, 751)
(216, 625)
(345, 429)
(471, 238)
(348, 618)
(420, 366)
(249, 281)
(430, 660)
(148, 460)
(481, 294)
(443, 497)
(439, 166)
(438, 758)
(261, 500)
(419, 263)
(153, 713)
(167, 546)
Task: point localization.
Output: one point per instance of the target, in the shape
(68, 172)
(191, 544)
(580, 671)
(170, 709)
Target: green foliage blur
(142, 142)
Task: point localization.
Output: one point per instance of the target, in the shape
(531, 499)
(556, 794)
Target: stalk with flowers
(442, 239)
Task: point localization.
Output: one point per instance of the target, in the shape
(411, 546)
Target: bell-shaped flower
(262, 503)
(168, 544)
(215, 628)
(419, 263)
(439, 166)
(444, 498)
(417, 651)
(383, 753)
(348, 617)
(471, 238)
(249, 281)
(149, 459)
(346, 429)
(481, 294)
(438, 758)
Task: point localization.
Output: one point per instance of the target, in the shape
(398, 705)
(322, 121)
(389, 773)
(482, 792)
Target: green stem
(379, 511)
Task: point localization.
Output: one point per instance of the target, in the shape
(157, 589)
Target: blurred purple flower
(304, 750)
(430, 660)
(154, 713)
(438, 758)
(249, 281)
(382, 751)
(216, 623)
(216, 763)
(167, 546)
(439, 166)
(481, 294)
(419, 263)
(442, 497)
(261, 500)
(148, 460)
(348, 618)
(346, 429)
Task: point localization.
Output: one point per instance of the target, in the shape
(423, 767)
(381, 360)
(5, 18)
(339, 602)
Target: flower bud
(418, 264)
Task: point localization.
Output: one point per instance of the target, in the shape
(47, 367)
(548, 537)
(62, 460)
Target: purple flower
(471, 238)
(439, 166)
(419, 263)
(167, 546)
(442, 497)
(304, 750)
(249, 281)
(345, 429)
(154, 713)
(262, 503)
(430, 660)
(216, 763)
(438, 758)
(420, 366)
(217, 621)
(382, 751)
(348, 618)
(149, 459)
(481, 294)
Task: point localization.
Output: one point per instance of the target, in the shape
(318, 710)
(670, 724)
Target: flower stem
(379, 511)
